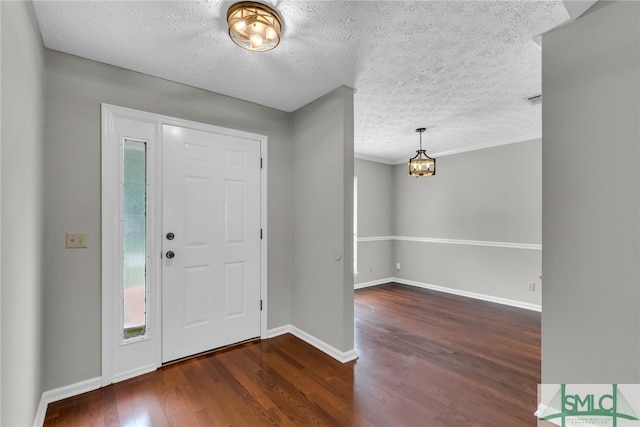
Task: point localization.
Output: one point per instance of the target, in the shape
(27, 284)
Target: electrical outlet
(532, 287)
(76, 240)
(370, 269)
(398, 266)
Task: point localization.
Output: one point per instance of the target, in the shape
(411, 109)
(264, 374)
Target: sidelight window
(134, 238)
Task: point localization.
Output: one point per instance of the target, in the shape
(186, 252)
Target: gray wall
(21, 201)
(323, 218)
(490, 195)
(375, 205)
(75, 88)
(375, 218)
(375, 261)
(591, 184)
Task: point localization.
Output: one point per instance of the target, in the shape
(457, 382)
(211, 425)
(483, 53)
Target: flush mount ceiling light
(254, 26)
(421, 164)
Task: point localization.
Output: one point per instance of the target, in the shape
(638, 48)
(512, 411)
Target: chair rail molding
(511, 245)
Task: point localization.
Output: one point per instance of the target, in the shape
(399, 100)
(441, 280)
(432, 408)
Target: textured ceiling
(459, 68)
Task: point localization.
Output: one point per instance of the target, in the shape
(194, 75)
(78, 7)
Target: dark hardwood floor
(425, 359)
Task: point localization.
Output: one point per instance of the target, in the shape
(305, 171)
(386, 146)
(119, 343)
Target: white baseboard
(56, 394)
(281, 330)
(340, 356)
(133, 373)
(459, 292)
(468, 294)
(373, 283)
(95, 383)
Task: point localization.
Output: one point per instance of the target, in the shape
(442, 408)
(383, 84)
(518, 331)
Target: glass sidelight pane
(134, 239)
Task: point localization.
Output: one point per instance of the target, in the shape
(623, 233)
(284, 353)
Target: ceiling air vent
(535, 99)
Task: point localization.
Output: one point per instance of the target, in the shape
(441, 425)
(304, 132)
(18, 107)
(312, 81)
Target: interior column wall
(323, 218)
(591, 197)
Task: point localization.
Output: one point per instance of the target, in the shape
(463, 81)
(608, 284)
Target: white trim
(280, 330)
(468, 294)
(95, 383)
(373, 159)
(375, 239)
(373, 283)
(264, 319)
(453, 291)
(57, 394)
(110, 196)
(404, 160)
(340, 356)
(122, 376)
(465, 149)
(113, 350)
(108, 224)
(510, 245)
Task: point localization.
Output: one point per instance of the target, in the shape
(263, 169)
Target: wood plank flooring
(425, 359)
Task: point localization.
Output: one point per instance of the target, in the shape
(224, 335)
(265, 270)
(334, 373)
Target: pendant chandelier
(254, 26)
(421, 164)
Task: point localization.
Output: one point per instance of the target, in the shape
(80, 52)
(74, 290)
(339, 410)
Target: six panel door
(211, 259)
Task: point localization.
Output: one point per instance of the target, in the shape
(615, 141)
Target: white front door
(211, 261)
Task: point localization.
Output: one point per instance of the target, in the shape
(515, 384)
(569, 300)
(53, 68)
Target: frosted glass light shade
(422, 165)
(254, 26)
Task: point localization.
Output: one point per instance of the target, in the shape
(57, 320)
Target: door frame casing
(110, 237)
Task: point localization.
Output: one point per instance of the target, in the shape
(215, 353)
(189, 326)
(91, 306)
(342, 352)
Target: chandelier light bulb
(271, 35)
(256, 40)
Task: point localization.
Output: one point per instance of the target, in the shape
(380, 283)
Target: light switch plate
(76, 240)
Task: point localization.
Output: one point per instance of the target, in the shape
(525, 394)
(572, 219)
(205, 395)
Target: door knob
(170, 236)
(170, 255)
